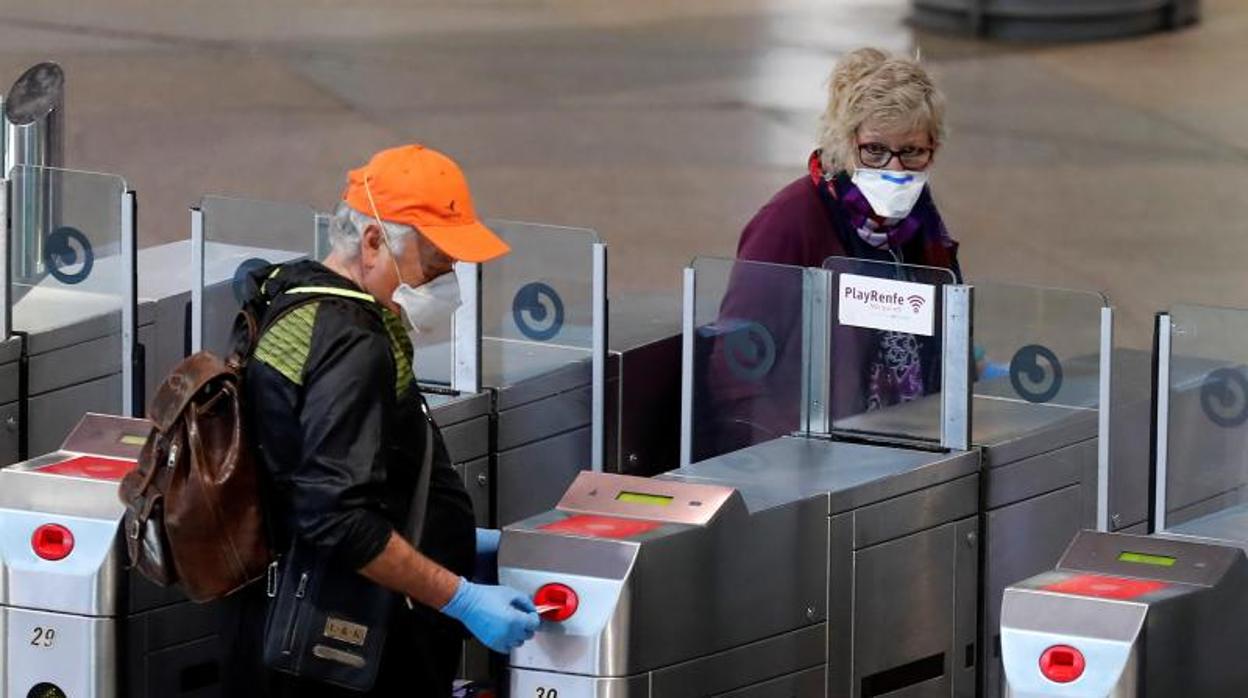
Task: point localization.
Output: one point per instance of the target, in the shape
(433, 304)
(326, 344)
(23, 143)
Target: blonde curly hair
(891, 92)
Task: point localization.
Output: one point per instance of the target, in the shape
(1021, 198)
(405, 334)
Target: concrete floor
(1115, 166)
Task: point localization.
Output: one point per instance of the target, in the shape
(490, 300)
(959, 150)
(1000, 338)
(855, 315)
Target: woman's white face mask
(891, 194)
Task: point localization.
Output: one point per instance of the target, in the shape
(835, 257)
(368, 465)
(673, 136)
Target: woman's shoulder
(788, 228)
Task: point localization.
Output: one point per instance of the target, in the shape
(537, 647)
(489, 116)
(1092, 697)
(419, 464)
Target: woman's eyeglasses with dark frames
(878, 156)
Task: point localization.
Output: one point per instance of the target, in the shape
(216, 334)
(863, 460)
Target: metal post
(197, 280)
(35, 119)
(1164, 328)
(322, 244)
(1104, 408)
(688, 311)
(466, 331)
(6, 318)
(129, 301)
(955, 405)
(817, 369)
(599, 376)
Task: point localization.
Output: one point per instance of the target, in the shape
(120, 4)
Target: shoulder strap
(420, 498)
(304, 295)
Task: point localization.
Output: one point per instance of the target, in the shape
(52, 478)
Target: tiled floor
(1118, 166)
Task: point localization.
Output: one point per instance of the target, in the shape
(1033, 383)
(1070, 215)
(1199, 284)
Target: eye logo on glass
(750, 351)
(239, 283)
(1036, 373)
(68, 255)
(1224, 397)
(537, 311)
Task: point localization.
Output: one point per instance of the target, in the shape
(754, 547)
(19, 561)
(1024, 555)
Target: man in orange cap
(342, 433)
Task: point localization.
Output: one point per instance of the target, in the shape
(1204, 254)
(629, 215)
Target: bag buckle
(270, 584)
(136, 529)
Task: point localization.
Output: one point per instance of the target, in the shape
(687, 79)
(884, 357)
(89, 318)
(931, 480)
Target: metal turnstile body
(1039, 474)
(545, 415)
(793, 567)
(73, 619)
(10, 400)
(465, 424)
(1129, 616)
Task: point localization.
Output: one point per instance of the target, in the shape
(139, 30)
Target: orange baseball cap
(420, 187)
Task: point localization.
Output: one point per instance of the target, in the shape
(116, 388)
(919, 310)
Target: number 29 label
(42, 637)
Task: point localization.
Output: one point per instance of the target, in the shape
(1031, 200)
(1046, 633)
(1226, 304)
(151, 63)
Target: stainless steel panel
(476, 475)
(10, 354)
(852, 475)
(916, 511)
(526, 683)
(1020, 541)
(1106, 632)
(1130, 419)
(956, 412)
(1045, 471)
(86, 583)
(10, 428)
(467, 441)
(453, 409)
(81, 659)
(841, 605)
(964, 663)
(538, 420)
(812, 682)
(902, 605)
(530, 479)
(73, 365)
(751, 665)
(53, 415)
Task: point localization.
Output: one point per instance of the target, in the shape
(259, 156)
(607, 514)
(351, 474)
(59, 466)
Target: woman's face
(889, 149)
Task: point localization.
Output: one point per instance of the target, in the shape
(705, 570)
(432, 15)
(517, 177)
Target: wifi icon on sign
(916, 303)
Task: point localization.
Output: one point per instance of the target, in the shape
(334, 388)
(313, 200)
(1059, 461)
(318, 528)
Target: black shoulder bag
(326, 623)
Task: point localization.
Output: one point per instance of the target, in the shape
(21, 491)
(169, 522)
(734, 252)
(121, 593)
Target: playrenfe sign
(885, 304)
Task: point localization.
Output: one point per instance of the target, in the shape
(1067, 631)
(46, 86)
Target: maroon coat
(745, 396)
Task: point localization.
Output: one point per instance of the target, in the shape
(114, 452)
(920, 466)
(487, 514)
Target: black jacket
(333, 408)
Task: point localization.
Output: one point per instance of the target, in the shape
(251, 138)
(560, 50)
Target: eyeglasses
(878, 156)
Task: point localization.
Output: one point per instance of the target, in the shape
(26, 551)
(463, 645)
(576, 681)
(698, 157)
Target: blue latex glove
(500, 617)
(486, 569)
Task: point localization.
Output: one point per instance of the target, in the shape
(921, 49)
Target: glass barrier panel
(536, 302)
(1037, 345)
(69, 280)
(749, 354)
(1207, 456)
(240, 237)
(886, 349)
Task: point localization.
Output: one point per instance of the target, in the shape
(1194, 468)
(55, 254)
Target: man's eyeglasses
(878, 156)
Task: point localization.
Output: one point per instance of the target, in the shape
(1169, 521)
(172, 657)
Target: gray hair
(347, 224)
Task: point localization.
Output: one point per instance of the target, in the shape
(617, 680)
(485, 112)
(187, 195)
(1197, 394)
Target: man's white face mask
(427, 308)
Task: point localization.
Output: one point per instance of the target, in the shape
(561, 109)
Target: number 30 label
(43, 637)
(547, 693)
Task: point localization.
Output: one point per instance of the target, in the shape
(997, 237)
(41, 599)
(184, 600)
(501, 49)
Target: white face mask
(891, 194)
(429, 307)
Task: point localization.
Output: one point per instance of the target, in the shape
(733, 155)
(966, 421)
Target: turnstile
(1185, 583)
(1125, 616)
(844, 569)
(795, 567)
(73, 621)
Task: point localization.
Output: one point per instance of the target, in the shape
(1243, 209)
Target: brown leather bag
(193, 506)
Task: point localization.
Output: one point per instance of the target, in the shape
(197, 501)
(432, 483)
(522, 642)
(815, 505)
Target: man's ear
(371, 241)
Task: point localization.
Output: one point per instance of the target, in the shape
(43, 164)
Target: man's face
(419, 263)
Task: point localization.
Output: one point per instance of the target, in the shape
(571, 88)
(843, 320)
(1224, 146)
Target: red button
(52, 542)
(1061, 664)
(559, 600)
